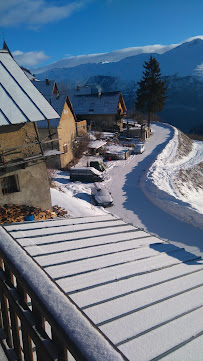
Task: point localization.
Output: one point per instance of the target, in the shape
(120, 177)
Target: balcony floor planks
(138, 289)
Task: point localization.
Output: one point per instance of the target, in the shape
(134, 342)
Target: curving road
(131, 204)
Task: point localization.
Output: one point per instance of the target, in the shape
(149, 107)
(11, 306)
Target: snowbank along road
(145, 196)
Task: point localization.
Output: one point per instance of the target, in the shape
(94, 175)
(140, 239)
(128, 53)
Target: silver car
(101, 196)
(139, 148)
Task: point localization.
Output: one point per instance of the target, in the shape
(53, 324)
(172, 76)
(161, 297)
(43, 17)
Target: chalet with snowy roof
(101, 110)
(23, 174)
(109, 292)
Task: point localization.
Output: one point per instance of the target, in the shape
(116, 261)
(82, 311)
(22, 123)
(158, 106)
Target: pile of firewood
(10, 213)
(60, 212)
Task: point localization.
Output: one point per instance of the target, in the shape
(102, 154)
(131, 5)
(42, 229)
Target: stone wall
(103, 121)
(20, 136)
(34, 187)
(66, 134)
(81, 128)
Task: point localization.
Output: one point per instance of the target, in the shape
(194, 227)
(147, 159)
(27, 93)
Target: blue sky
(43, 31)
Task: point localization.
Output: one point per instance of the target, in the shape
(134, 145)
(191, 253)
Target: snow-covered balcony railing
(37, 320)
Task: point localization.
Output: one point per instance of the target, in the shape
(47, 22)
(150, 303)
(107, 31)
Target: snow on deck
(143, 293)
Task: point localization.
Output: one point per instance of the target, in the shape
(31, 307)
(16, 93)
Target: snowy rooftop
(95, 144)
(143, 293)
(20, 101)
(116, 149)
(93, 104)
(45, 87)
(58, 104)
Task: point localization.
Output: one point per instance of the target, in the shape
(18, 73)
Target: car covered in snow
(86, 174)
(99, 165)
(139, 148)
(101, 196)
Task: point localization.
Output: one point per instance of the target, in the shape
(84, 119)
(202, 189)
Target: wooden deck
(144, 294)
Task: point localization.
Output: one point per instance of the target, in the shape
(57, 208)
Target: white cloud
(31, 58)
(193, 38)
(157, 48)
(199, 70)
(36, 12)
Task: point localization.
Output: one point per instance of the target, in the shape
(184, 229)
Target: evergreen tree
(150, 95)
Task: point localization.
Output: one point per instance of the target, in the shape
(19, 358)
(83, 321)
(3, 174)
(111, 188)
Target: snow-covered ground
(75, 197)
(164, 186)
(145, 192)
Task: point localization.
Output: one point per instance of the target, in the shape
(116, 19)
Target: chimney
(47, 81)
(99, 94)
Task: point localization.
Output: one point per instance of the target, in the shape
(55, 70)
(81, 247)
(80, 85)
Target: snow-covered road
(143, 191)
(130, 188)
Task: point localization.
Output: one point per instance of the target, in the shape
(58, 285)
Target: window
(65, 148)
(10, 184)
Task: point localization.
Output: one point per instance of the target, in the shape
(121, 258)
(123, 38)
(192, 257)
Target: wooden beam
(50, 135)
(38, 139)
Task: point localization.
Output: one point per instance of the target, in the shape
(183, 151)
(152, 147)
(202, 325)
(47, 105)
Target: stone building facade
(23, 173)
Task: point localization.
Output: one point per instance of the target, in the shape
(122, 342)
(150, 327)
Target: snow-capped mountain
(181, 65)
(183, 60)
(111, 57)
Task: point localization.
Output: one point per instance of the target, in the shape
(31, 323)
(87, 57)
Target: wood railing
(18, 159)
(37, 320)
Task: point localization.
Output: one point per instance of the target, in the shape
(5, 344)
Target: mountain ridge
(181, 66)
(182, 60)
(113, 56)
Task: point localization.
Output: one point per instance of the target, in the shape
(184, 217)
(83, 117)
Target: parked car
(139, 148)
(86, 174)
(99, 165)
(101, 196)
